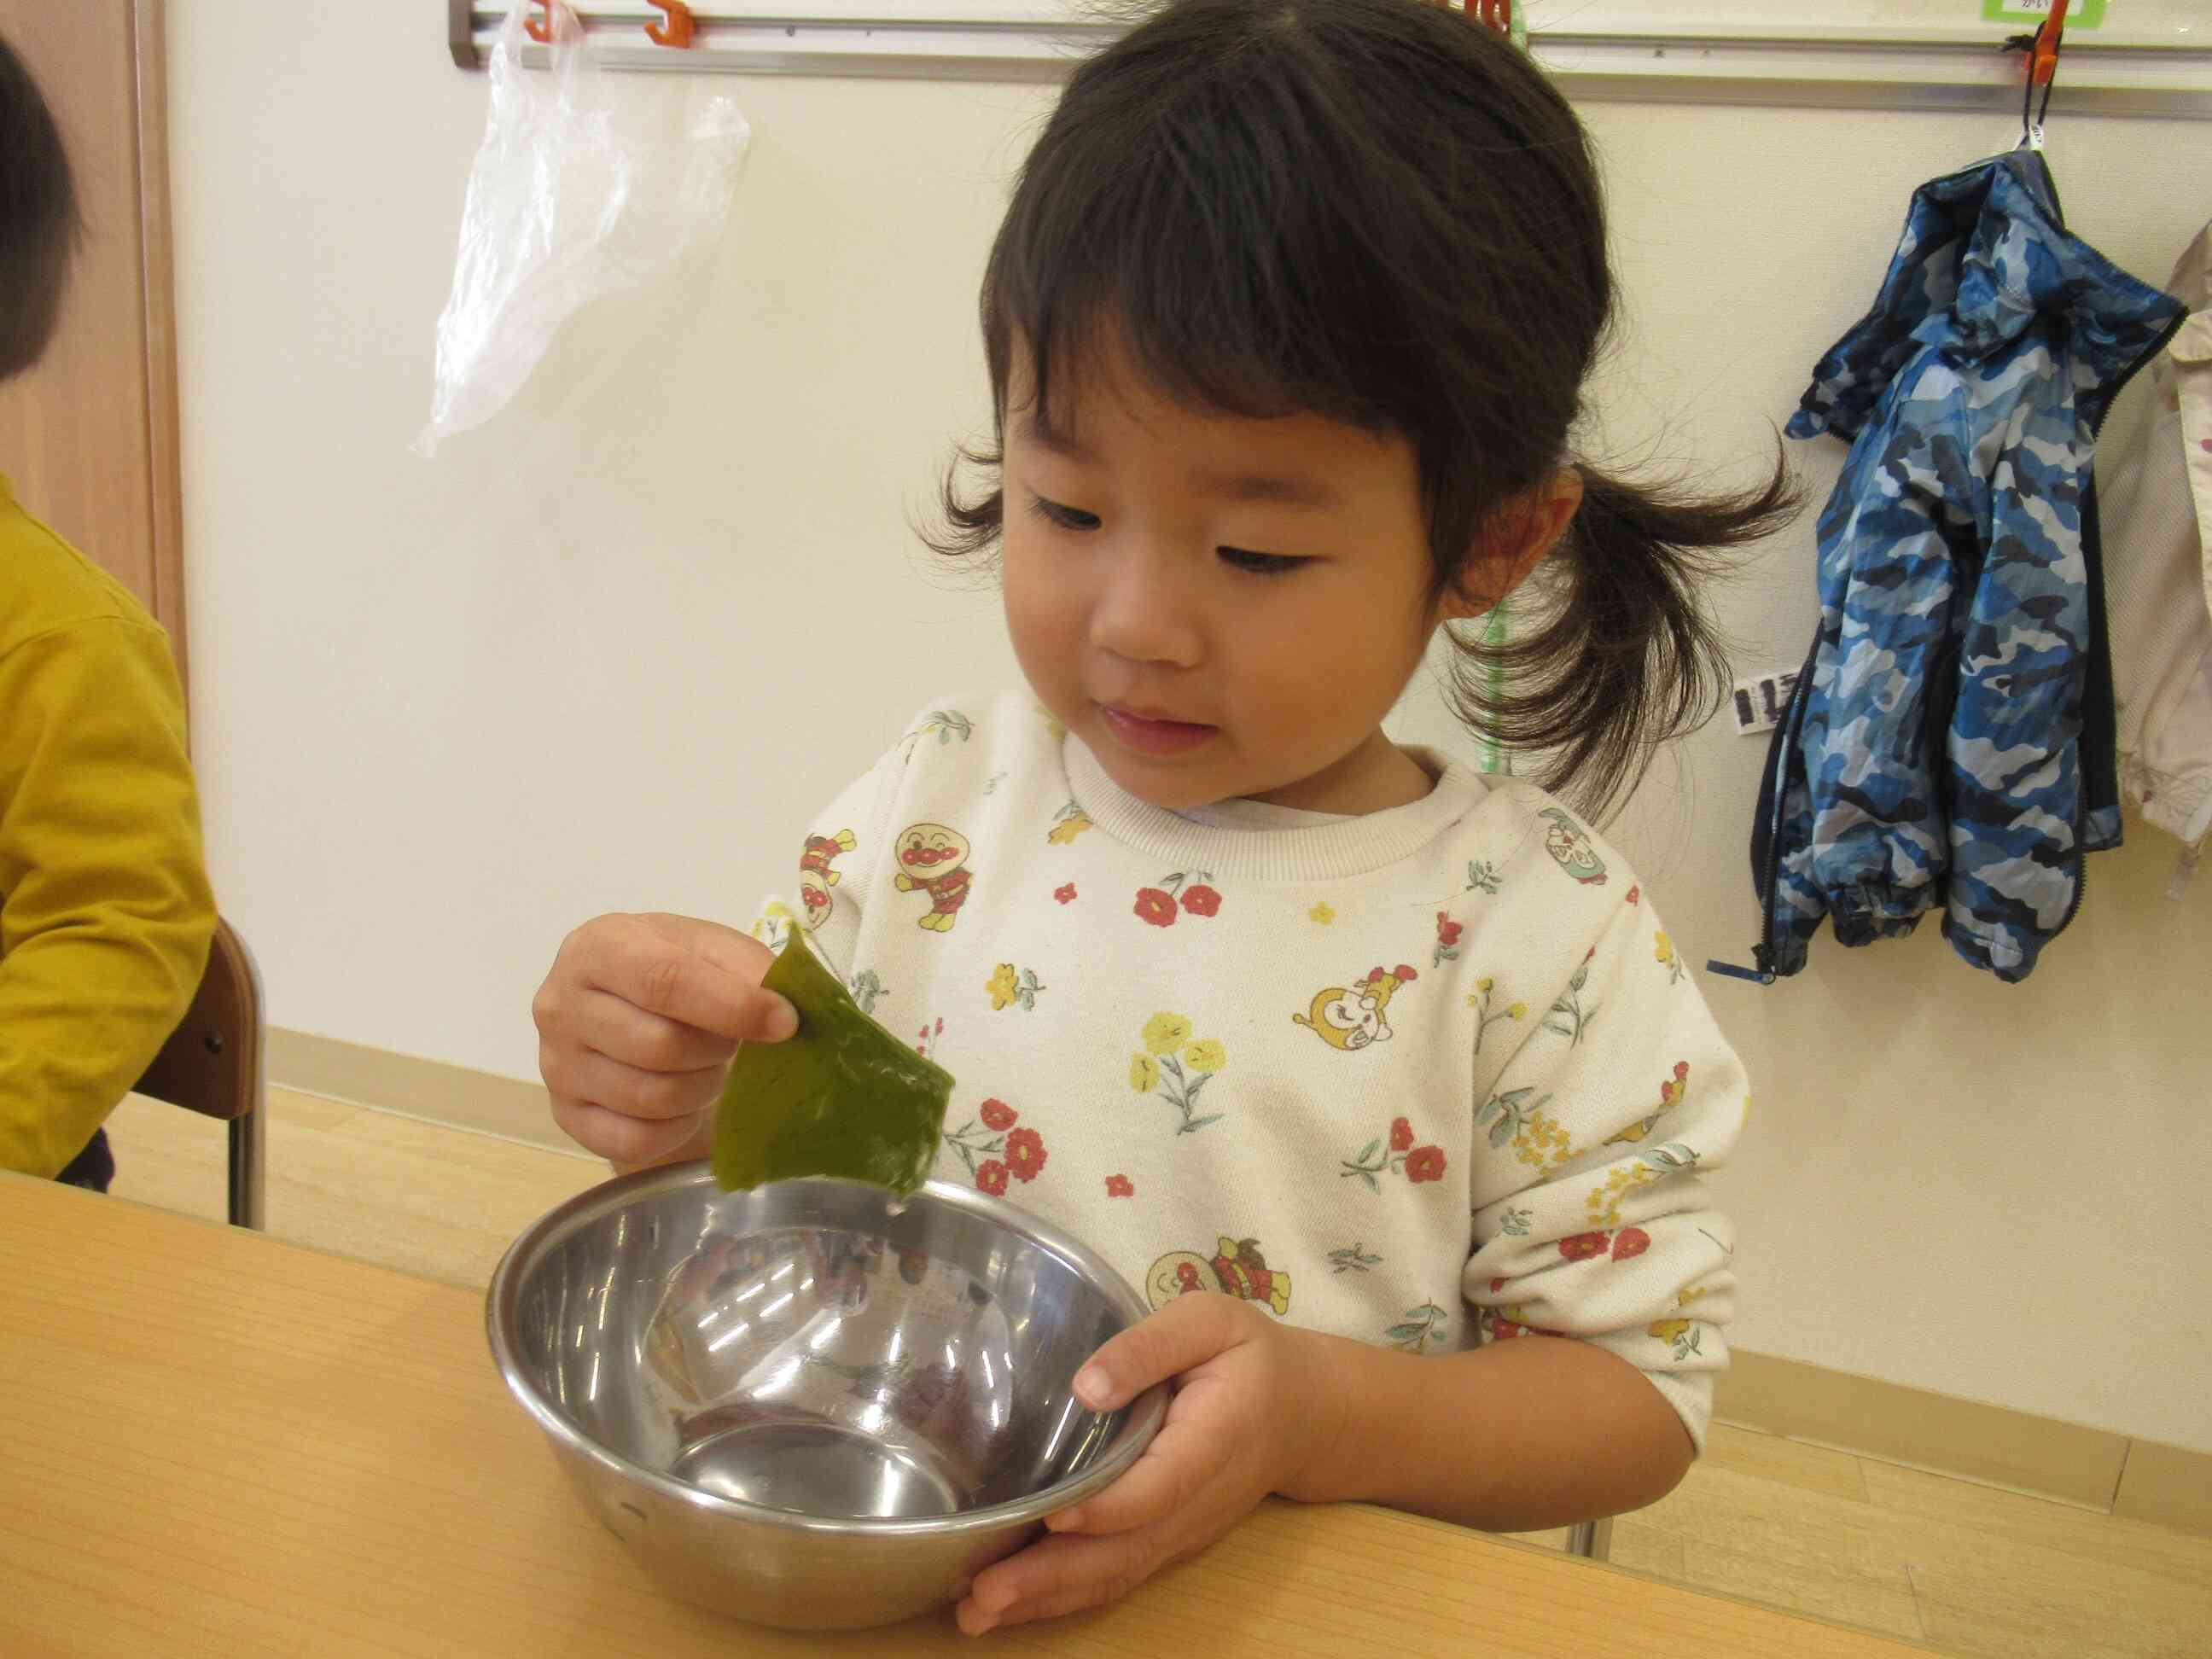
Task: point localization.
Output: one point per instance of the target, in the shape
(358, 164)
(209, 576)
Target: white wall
(608, 651)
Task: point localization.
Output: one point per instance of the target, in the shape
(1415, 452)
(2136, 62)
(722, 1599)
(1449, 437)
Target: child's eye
(1065, 518)
(1259, 564)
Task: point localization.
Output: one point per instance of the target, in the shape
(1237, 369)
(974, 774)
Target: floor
(1967, 1569)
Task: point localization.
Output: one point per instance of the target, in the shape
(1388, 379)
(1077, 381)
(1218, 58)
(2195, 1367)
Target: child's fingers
(1183, 1458)
(1186, 1332)
(1062, 1574)
(621, 1138)
(601, 1023)
(684, 970)
(633, 1090)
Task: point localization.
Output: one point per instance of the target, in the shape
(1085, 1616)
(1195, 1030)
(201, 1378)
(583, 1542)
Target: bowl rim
(1141, 1417)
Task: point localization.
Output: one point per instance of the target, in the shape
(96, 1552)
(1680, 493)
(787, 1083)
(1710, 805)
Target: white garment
(1420, 1077)
(2156, 510)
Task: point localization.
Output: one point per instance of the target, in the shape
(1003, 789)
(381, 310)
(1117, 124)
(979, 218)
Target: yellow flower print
(1204, 1055)
(1605, 1201)
(1669, 1330)
(1479, 1000)
(1664, 949)
(1537, 1139)
(1179, 1069)
(1072, 822)
(1166, 1033)
(1009, 985)
(1321, 915)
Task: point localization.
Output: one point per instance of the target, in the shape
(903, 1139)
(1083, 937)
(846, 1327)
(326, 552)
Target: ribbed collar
(1326, 853)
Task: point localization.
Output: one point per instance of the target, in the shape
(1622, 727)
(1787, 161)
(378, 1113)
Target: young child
(105, 911)
(1287, 324)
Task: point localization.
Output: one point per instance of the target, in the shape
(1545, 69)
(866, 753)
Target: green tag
(843, 1097)
(2082, 15)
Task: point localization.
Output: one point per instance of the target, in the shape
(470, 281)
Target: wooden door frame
(157, 291)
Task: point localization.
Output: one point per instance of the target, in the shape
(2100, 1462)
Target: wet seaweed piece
(841, 1096)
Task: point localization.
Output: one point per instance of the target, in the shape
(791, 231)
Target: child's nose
(1148, 612)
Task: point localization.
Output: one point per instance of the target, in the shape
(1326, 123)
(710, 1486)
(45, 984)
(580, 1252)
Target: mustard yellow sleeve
(104, 909)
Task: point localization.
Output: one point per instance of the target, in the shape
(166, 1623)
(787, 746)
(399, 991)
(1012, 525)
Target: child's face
(1217, 606)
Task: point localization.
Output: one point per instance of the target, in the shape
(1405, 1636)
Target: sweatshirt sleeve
(104, 909)
(1594, 1221)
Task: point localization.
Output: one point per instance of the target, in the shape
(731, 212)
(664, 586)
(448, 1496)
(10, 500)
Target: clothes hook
(541, 33)
(2042, 48)
(676, 28)
(1498, 14)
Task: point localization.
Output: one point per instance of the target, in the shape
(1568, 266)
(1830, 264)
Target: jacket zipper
(1786, 732)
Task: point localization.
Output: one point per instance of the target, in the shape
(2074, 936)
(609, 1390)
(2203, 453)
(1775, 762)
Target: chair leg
(247, 1205)
(1592, 1540)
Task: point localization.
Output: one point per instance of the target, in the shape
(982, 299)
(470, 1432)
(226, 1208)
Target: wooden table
(213, 1443)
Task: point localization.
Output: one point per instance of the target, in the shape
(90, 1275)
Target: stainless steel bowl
(805, 1405)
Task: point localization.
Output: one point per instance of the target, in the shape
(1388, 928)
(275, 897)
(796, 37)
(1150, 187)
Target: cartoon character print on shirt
(933, 859)
(816, 877)
(1350, 1016)
(1566, 842)
(1236, 1268)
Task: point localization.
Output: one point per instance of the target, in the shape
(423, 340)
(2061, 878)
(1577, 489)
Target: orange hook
(2042, 59)
(675, 30)
(541, 33)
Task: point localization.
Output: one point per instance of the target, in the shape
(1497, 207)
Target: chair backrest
(212, 1061)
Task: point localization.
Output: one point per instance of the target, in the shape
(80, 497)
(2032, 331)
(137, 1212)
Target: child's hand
(636, 1025)
(1254, 1405)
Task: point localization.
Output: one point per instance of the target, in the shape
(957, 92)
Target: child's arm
(1594, 1227)
(104, 898)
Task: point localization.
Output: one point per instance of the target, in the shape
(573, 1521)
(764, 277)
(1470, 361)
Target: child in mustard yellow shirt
(104, 909)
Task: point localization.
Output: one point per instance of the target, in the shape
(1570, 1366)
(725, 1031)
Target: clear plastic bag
(581, 189)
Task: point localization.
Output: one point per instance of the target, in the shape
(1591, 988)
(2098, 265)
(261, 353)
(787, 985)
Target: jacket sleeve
(1596, 1224)
(104, 909)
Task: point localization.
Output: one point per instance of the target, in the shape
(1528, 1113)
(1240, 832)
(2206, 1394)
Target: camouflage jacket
(1950, 742)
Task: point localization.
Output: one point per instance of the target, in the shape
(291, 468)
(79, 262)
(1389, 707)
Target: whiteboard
(2150, 56)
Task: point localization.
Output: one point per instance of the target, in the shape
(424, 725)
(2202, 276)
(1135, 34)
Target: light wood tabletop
(214, 1442)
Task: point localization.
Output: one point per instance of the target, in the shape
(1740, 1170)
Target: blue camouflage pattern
(1951, 742)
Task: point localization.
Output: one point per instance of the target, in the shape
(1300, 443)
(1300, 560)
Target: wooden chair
(212, 1064)
(1591, 1539)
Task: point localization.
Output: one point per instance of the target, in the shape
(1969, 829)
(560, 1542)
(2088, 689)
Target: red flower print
(1502, 1330)
(1582, 1246)
(997, 1115)
(1632, 1241)
(1403, 974)
(1424, 1164)
(1200, 901)
(1064, 895)
(1448, 931)
(1119, 1187)
(1635, 893)
(1496, 1285)
(1156, 906)
(991, 1178)
(1024, 1154)
(1401, 1134)
(1682, 1070)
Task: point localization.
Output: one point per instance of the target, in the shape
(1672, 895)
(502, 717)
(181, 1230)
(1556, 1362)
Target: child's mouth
(1148, 736)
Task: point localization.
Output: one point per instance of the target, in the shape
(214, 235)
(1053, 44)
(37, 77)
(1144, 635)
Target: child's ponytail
(1612, 654)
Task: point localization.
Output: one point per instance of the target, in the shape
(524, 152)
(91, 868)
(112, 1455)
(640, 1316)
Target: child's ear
(1513, 542)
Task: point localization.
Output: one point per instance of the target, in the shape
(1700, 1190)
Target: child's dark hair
(39, 223)
(1380, 212)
